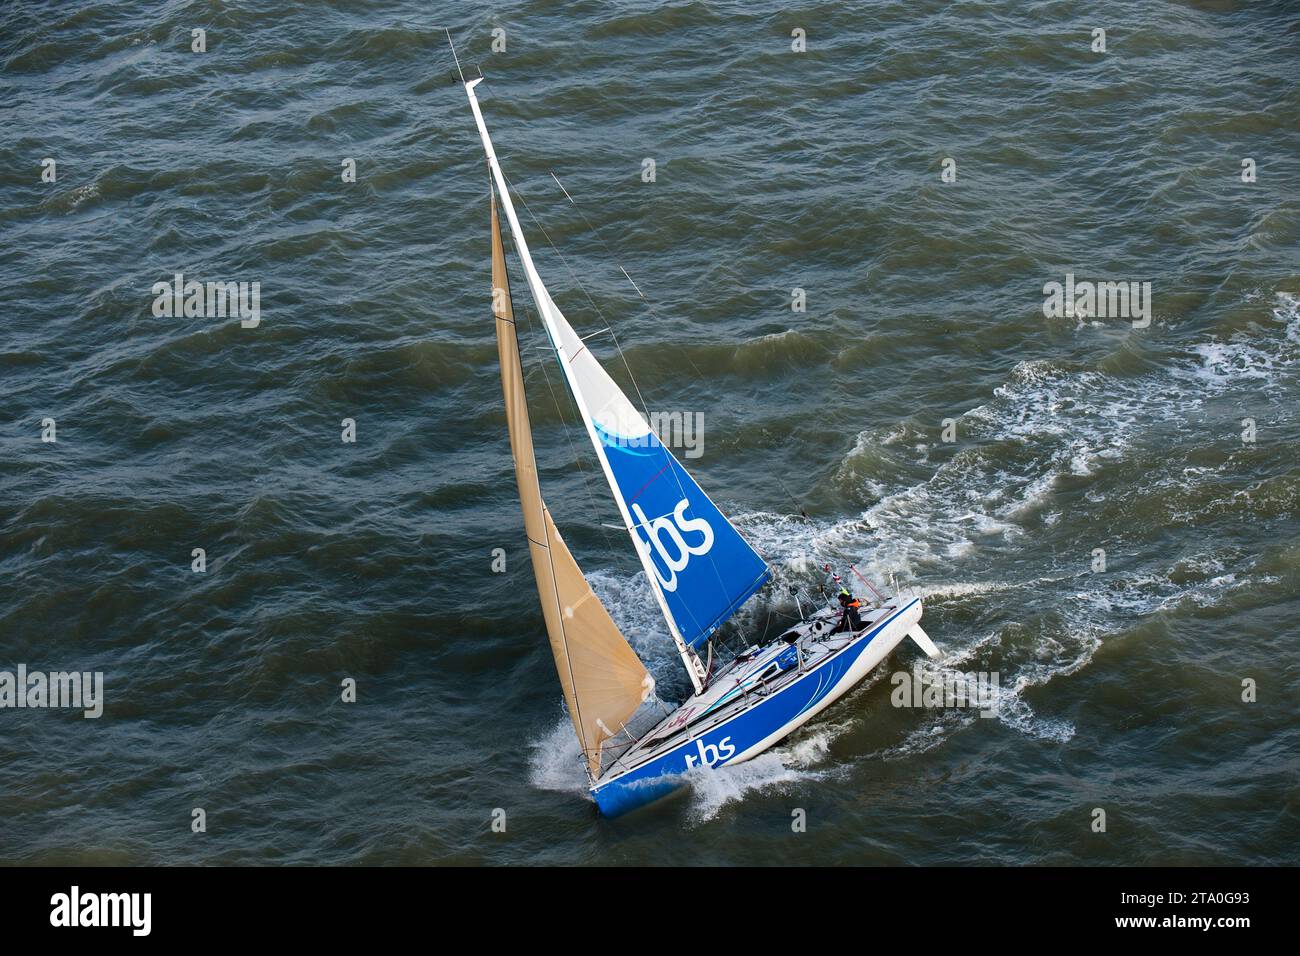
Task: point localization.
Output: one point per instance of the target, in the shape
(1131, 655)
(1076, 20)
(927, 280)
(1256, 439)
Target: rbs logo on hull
(710, 754)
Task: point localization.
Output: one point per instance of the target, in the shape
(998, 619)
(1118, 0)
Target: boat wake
(779, 769)
(1034, 461)
(985, 500)
(556, 760)
(556, 765)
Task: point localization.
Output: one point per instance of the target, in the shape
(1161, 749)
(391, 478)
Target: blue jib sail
(705, 569)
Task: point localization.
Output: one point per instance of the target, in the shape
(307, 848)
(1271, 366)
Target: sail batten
(604, 681)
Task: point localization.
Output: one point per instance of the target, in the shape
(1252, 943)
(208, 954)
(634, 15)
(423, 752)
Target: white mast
(694, 666)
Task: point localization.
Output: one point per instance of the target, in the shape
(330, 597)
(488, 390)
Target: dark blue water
(775, 170)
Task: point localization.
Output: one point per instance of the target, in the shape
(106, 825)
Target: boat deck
(745, 682)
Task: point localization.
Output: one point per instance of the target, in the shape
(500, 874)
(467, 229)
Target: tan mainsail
(604, 681)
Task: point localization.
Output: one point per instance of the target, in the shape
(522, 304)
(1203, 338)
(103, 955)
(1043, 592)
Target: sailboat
(700, 572)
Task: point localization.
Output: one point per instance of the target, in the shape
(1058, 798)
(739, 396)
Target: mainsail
(604, 681)
(699, 567)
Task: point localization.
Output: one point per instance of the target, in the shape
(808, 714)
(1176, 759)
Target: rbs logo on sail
(710, 754)
(667, 538)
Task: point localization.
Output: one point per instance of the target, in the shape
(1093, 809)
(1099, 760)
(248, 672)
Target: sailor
(850, 618)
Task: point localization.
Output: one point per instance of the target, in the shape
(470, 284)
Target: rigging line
(562, 189)
(596, 233)
(648, 304)
(573, 452)
(578, 282)
(609, 325)
(454, 56)
(641, 398)
(713, 564)
(635, 385)
(629, 279)
(592, 229)
(617, 345)
(550, 553)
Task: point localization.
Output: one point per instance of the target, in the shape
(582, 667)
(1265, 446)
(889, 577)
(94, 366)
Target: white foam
(556, 762)
(711, 790)
(796, 761)
(1255, 356)
(1071, 422)
(933, 731)
(961, 549)
(81, 194)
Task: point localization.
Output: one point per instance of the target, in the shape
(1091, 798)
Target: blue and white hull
(746, 711)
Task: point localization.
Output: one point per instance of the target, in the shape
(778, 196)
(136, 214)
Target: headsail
(699, 567)
(604, 681)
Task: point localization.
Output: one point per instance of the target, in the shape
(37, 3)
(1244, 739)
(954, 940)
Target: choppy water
(775, 171)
